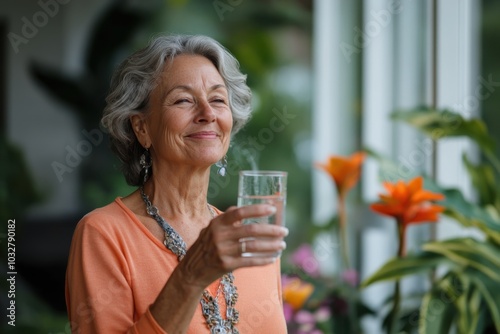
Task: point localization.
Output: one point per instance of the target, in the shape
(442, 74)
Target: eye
(219, 100)
(182, 100)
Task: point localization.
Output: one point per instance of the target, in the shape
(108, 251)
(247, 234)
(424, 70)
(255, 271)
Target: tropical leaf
(467, 213)
(437, 313)
(438, 124)
(489, 253)
(491, 235)
(473, 309)
(483, 179)
(445, 123)
(64, 87)
(468, 252)
(400, 267)
(467, 304)
(489, 289)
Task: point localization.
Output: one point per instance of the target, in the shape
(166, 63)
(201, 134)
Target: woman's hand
(218, 248)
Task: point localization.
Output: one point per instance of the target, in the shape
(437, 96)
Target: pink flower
(350, 276)
(323, 314)
(309, 330)
(288, 311)
(304, 317)
(304, 258)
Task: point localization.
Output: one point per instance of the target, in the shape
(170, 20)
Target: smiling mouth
(204, 135)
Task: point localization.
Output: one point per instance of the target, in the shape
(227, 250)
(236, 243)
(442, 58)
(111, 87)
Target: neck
(179, 196)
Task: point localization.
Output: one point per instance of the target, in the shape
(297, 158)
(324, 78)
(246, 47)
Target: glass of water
(263, 187)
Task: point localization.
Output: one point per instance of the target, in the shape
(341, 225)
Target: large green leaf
(17, 189)
(399, 267)
(66, 88)
(483, 179)
(470, 291)
(468, 252)
(445, 123)
(489, 231)
(467, 304)
(438, 124)
(436, 313)
(467, 213)
(490, 291)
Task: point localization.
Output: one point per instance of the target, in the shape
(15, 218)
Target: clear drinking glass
(263, 187)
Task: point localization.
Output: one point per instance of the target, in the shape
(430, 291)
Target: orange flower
(296, 292)
(344, 171)
(409, 203)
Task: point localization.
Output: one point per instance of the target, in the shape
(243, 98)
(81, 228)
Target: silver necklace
(209, 304)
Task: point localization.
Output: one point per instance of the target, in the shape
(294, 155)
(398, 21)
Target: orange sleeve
(280, 291)
(98, 293)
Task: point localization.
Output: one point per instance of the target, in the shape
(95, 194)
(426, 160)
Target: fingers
(247, 247)
(249, 252)
(236, 238)
(259, 231)
(218, 248)
(234, 214)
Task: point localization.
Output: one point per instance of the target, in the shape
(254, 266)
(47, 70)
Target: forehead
(190, 69)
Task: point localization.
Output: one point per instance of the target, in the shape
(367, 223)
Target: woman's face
(188, 120)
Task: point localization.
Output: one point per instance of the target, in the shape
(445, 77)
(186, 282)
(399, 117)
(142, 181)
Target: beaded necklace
(209, 304)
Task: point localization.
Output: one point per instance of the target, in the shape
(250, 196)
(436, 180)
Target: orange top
(117, 268)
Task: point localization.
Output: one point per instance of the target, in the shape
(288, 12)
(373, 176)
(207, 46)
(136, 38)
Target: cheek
(165, 130)
(228, 122)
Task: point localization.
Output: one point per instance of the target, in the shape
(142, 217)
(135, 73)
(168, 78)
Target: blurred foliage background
(490, 66)
(273, 42)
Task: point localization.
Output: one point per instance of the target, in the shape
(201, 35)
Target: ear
(141, 130)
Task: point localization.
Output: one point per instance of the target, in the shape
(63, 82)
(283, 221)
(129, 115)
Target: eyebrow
(188, 88)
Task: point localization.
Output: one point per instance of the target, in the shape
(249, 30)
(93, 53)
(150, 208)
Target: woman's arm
(98, 292)
(216, 252)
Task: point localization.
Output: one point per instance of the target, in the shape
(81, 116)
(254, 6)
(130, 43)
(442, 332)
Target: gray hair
(136, 77)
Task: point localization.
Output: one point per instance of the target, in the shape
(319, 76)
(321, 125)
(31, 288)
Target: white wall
(335, 104)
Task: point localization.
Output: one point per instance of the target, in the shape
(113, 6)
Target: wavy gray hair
(135, 78)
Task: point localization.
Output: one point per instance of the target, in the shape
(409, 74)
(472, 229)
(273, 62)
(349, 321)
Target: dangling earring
(145, 162)
(222, 164)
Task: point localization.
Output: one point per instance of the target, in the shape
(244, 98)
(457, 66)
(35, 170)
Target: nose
(205, 113)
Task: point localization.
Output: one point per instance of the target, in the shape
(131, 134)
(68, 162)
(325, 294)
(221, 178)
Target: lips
(204, 135)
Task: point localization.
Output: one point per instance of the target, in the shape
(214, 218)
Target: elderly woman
(162, 259)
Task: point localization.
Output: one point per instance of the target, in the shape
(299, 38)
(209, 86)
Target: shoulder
(105, 219)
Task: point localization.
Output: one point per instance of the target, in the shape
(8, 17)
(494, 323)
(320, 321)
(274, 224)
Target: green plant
(17, 188)
(465, 271)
